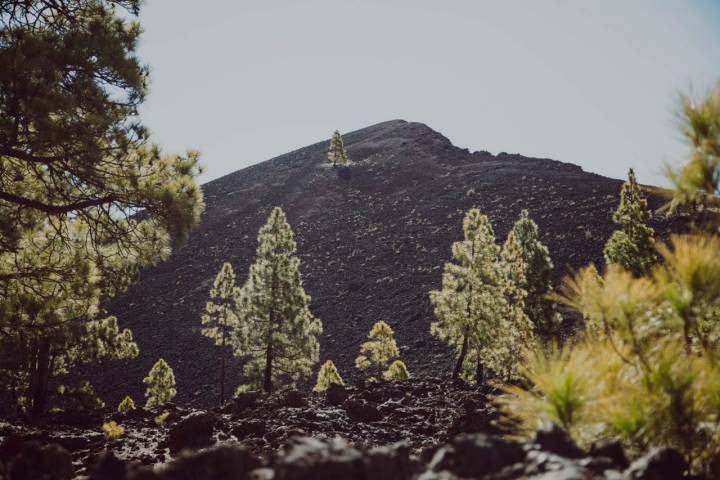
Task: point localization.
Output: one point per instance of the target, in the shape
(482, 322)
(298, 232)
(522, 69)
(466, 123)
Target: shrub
(567, 389)
(126, 405)
(658, 380)
(397, 371)
(162, 418)
(327, 375)
(112, 430)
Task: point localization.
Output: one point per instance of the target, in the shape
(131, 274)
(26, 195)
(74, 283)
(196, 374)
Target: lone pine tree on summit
(277, 332)
(220, 319)
(479, 310)
(632, 247)
(336, 153)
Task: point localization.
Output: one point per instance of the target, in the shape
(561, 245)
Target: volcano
(372, 238)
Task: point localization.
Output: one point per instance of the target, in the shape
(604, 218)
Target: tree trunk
(460, 359)
(687, 337)
(40, 376)
(479, 372)
(268, 369)
(222, 363)
(222, 378)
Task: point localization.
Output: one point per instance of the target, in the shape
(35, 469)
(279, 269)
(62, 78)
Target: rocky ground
(372, 239)
(420, 429)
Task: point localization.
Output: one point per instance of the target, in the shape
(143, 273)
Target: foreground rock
(421, 429)
(192, 432)
(468, 456)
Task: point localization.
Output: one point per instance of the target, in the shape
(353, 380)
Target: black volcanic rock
(372, 239)
(192, 432)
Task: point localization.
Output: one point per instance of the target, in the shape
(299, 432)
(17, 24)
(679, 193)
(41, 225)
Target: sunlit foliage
(528, 263)
(220, 317)
(480, 307)
(159, 385)
(657, 336)
(126, 405)
(113, 430)
(397, 371)
(632, 246)
(336, 152)
(697, 181)
(86, 199)
(327, 376)
(277, 333)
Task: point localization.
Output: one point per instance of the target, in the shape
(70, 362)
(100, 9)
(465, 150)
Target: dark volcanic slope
(372, 244)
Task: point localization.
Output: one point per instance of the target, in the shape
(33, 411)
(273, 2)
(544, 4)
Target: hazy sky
(593, 83)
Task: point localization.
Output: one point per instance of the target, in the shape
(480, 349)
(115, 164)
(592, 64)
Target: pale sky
(592, 83)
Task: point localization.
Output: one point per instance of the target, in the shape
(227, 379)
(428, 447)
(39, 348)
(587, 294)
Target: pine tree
(77, 166)
(160, 385)
(220, 319)
(697, 180)
(379, 350)
(126, 405)
(277, 332)
(479, 310)
(632, 246)
(529, 266)
(327, 375)
(397, 371)
(336, 153)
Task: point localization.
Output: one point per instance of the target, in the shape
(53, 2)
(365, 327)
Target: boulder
(293, 398)
(192, 432)
(218, 463)
(611, 449)
(336, 394)
(245, 400)
(658, 464)
(35, 461)
(554, 439)
(390, 463)
(308, 457)
(73, 443)
(472, 418)
(362, 411)
(476, 455)
(109, 467)
(249, 428)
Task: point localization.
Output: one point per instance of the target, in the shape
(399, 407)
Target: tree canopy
(220, 317)
(632, 246)
(277, 333)
(380, 348)
(336, 153)
(85, 198)
(528, 263)
(479, 308)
